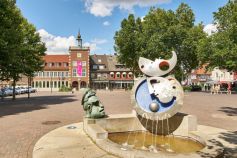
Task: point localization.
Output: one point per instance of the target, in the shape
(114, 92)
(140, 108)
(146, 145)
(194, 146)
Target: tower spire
(79, 39)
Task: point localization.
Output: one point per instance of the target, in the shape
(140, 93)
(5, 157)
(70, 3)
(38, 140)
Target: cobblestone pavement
(24, 121)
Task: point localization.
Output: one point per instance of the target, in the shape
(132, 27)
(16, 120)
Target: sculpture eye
(174, 87)
(142, 66)
(164, 65)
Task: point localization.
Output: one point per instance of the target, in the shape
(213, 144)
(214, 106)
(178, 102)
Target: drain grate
(50, 122)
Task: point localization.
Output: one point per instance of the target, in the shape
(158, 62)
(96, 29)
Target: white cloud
(105, 7)
(60, 45)
(210, 29)
(56, 44)
(106, 23)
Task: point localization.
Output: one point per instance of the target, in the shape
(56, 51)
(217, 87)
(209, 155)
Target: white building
(222, 75)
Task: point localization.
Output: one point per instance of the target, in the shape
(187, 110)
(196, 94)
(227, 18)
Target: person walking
(229, 88)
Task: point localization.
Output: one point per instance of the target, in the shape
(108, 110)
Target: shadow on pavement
(21, 105)
(230, 111)
(231, 138)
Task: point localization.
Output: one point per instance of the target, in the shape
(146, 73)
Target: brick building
(107, 73)
(71, 70)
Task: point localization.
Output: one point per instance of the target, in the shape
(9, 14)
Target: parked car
(8, 91)
(24, 90)
(31, 90)
(17, 91)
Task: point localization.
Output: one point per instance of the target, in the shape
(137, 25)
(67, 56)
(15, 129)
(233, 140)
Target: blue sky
(58, 21)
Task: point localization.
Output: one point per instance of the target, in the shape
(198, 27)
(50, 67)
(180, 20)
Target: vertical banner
(79, 68)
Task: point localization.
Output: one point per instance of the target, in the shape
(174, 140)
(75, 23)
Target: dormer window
(99, 60)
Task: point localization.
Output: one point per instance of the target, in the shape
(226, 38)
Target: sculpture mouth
(167, 104)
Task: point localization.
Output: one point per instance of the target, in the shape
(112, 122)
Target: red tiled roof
(202, 70)
(56, 58)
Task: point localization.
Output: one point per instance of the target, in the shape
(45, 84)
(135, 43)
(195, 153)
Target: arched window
(117, 74)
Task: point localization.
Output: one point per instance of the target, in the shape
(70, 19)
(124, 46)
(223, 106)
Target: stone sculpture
(154, 95)
(91, 105)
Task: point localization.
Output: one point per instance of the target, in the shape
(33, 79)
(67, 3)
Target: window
(47, 84)
(118, 75)
(111, 74)
(99, 60)
(40, 84)
(74, 63)
(59, 84)
(55, 74)
(93, 75)
(51, 74)
(43, 84)
(66, 74)
(50, 64)
(62, 74)
(62, 83)
(40, 74)
(74, 72)
(83, 72)
(79, 55)
(98, 75)
(36, 84)
(33, 84)
(66, 83)
(47, 74)
(83, 63)
(95, 67)
(105, 75)
(45, 64)
(59, 74)
(55, 84)
(124, 75)
(130, 75)
(101, 67)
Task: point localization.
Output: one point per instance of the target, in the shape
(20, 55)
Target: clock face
(158, 96)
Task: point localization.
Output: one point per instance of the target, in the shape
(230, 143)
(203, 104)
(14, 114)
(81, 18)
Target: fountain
(155, 127)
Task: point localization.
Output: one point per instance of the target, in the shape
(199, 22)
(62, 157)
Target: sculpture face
(92, 105)
(157, 96)
(159, 67)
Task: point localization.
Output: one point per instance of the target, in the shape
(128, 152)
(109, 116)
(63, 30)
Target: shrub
(187, 88)
(65, 89)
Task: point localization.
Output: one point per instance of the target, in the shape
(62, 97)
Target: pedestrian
(229, 88)
(73, 90)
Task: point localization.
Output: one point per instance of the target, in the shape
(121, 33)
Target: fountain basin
(102, 131)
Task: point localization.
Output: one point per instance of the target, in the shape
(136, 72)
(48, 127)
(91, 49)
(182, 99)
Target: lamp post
(51, 82)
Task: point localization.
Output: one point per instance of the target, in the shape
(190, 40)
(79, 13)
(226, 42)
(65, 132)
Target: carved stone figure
(91, 105)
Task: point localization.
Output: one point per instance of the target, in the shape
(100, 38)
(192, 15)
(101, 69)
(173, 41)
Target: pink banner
(79, 68)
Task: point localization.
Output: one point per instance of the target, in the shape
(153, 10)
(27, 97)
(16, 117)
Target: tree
(220, 49)
(126, 42)
(161, 32)
(20, 48)
(32, 51)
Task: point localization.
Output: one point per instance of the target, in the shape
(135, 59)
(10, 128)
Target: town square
(110, 79)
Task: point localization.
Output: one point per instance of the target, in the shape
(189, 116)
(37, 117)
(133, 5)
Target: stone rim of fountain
(102, 141)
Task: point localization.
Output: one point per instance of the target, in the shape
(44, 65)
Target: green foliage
(187, 88)
(220, 49)
(21, 50)
(160, 32)
(63, 88)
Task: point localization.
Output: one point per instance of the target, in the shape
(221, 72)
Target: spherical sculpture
(156, 96)
(154, 107)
